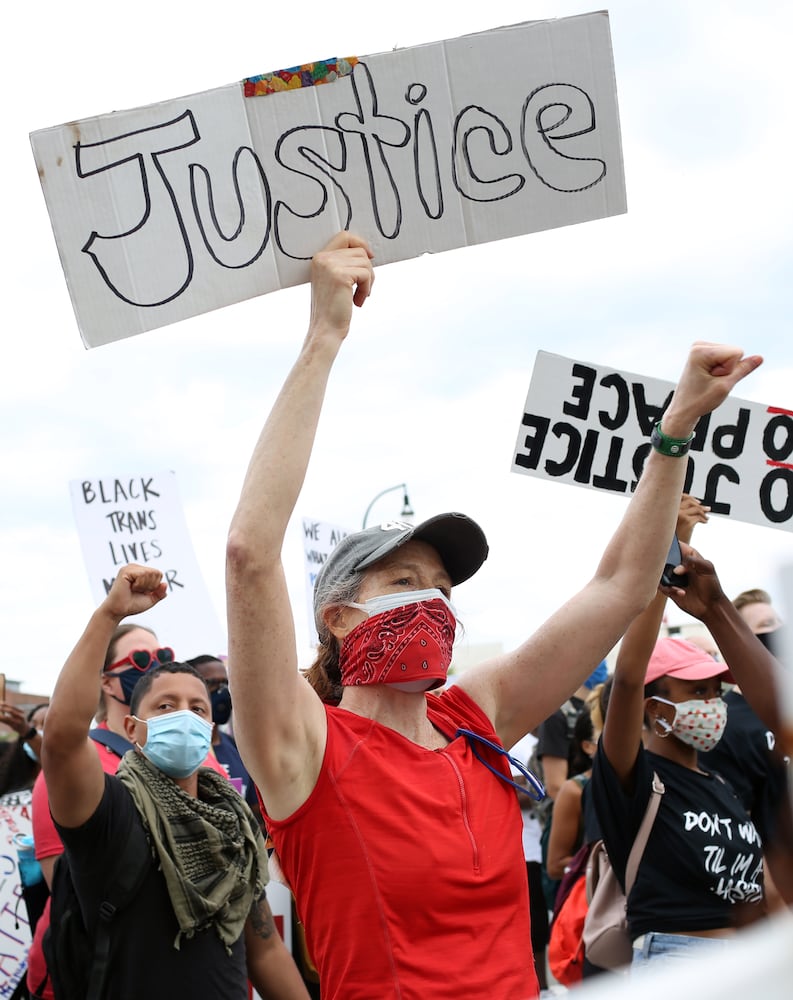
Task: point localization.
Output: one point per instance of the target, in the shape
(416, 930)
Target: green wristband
(672, 447)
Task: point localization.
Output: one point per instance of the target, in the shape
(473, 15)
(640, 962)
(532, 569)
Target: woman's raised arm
(279, 721)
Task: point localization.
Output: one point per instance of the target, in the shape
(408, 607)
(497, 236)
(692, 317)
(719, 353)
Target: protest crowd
(406, 813)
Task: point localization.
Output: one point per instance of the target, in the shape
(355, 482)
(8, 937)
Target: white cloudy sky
(431, 384)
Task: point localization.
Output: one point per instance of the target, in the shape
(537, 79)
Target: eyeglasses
(534, 788)
(142, 659)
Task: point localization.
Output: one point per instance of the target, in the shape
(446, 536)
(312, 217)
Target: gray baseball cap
(458, 540)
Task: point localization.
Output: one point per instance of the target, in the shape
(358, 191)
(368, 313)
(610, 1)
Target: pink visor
(679, 658)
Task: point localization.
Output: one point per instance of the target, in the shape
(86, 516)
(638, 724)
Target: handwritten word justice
(488, 161)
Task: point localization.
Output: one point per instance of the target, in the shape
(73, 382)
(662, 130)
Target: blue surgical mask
(387, 602)
(177, 742)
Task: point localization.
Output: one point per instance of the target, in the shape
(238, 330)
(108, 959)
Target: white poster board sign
(139, 519)
(174, 209)
(589, 425)
(15, 820)
(320, 538)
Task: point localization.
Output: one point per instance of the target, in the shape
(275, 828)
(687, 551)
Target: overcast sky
(430, 386)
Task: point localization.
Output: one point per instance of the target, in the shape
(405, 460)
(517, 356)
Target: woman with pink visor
(700, 876)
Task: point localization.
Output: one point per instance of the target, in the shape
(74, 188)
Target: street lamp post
(407, 510)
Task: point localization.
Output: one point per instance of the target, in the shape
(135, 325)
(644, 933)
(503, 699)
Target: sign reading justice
(588, 425)
(171, 210)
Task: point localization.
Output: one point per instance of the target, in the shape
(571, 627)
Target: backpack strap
(639, 844)
(125, 881)
(118, 744)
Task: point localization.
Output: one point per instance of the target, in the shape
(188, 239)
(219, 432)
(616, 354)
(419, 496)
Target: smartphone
(674, 558)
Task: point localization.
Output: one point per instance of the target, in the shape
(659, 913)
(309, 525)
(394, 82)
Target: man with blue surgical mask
(132, 650)
(200, 916)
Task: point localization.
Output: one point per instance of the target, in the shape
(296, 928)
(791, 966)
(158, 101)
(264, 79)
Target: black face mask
(128, 679)
(221, 706)
(774, 641)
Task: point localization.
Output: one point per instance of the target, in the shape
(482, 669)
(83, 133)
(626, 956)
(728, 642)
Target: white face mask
(699, 722)
(387, 602)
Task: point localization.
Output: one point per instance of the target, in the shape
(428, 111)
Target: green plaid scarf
(210, 848)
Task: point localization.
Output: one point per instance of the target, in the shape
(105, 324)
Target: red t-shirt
(407, 864)
(48, 845)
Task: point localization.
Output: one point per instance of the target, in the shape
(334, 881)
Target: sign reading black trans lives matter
(175, 209)
(588, 425)
(139, 519)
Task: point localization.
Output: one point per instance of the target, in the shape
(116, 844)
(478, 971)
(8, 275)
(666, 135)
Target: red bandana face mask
(409, 647)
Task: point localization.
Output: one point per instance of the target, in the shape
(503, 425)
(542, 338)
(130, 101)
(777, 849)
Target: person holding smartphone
(700, 876)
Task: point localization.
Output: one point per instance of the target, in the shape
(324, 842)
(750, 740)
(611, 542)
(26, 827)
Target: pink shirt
(407, 864)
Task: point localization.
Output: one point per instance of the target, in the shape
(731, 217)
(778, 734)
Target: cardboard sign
(319, 539)
(178, 208)
(588, 425)
(15, 821)
(139, 519)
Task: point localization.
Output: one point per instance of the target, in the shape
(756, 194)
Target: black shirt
(703, 856)
(146, 966)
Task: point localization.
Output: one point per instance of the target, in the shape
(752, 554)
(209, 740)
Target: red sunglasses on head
(142, 659)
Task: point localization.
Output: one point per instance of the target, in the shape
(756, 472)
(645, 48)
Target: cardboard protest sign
(320, 538)
(171, 210)
(588, 425)
(139, 519)
(15, 821)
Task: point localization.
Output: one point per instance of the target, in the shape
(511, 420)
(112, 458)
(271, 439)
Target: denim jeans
(672, 948)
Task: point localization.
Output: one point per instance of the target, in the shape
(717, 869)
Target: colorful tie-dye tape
(308, 75)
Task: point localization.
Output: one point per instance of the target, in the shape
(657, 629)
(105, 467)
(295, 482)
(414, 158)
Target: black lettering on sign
(473, 123)
(715, 475)
(612, 421)
(484, 165)
(134, 552)
(573, 448)
(171, 580)
(553, 113)
(583, 472)
(778, 437)
(533, 443)
(142, 151)
(376, 131)
(250, 242)
(582, 392)
(609, 480)
(777, 512)
(116, 490)
(324, 150)
(729, 439)
(425, 155)
(647, 414)
(131, 521)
